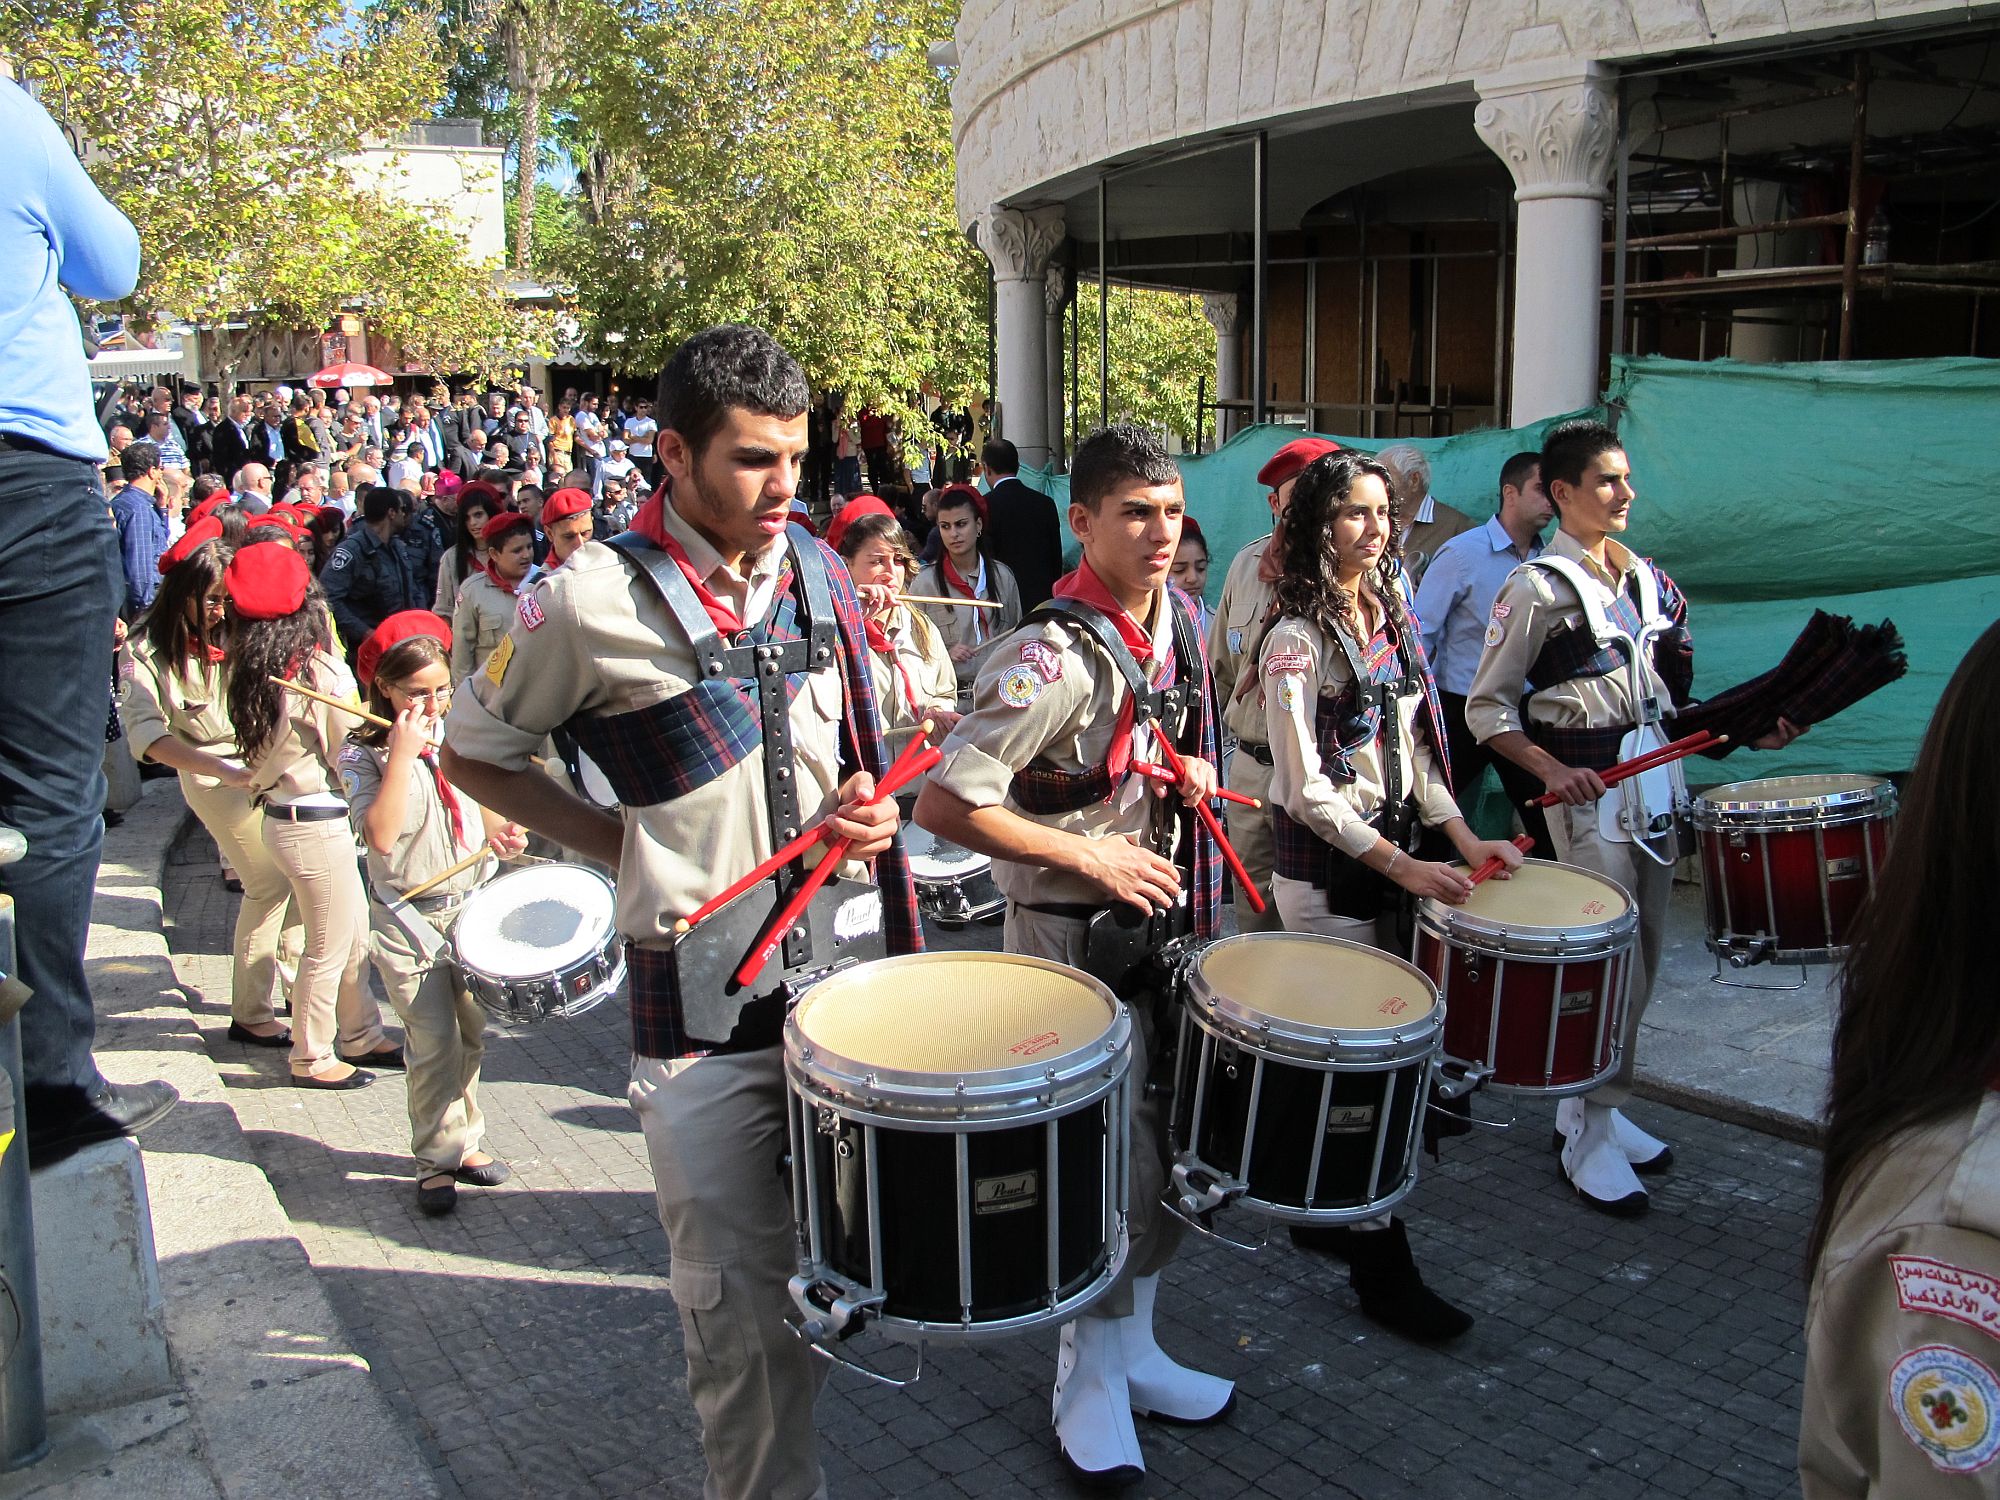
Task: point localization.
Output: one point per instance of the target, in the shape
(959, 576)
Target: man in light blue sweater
(61, 584)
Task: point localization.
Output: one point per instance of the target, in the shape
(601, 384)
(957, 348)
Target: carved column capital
(1019, 242)
(1057, 291)
(1556, 136)
(1224, 311)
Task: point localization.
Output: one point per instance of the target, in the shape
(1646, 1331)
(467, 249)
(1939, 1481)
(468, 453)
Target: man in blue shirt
(140, 509)
(60, 587)
(1455, 603)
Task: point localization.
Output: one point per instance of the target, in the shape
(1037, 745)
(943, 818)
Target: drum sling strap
(1352, 889)
(705, 958)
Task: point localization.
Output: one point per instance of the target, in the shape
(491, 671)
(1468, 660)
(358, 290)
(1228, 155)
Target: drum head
(937, 860)
(534, 921)
(1793, 793)
(1317, 981)
(954, 1014)
(593, 785)
(1544, 895)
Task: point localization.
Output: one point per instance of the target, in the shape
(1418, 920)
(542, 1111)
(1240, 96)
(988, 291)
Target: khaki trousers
(1250, 831)
(716, 1132)
(264, 925)
(444, 1038)
(1156, 1234)
(331, 990)
(1647, 882)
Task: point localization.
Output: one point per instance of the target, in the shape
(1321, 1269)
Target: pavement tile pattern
(531, 1342)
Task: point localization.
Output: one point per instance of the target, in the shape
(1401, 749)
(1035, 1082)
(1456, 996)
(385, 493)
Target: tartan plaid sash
(1570, 654)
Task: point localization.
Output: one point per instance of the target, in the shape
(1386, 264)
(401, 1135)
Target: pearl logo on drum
(1003, 1195)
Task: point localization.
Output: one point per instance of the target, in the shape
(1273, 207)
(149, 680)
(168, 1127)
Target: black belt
(1259, 753)
(14, 442)
(293, 814)
(1073, 911)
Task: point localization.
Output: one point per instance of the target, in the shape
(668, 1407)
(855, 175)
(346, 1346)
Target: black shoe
(487, 1174)
(355, 1080)
(387, 1057)
(60, 1121)
(249, 1038)
(1384, 1276)
(232, 885)
(437, 1201)
(112, 819)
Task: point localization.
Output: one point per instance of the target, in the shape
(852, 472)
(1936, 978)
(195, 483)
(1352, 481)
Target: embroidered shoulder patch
(496, 664)
(1020, 686)
(1946, 1403)
(530, 612)
(1288, 692)
(1287, 661)
(1937, 1287)
(1044, 658)
(1501, 610)
(1494, 634)
(352, 754)
(350, 778)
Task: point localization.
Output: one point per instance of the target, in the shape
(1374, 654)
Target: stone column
(1225, 316)
(1019, 243)
(1557, 136)
(1057, 291)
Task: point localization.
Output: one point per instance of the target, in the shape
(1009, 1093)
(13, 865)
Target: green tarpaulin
(1767, 491)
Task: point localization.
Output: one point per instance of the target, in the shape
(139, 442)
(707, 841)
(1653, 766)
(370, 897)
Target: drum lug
(1461, 1080)
(827, 1122)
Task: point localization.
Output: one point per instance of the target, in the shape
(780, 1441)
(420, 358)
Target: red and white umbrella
(348, 375)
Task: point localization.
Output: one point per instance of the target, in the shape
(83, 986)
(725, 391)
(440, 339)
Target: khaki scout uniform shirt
(479, 622)
(299, 762)
(961, 625)
(607, 645)
(1233, 642)
(1533, 605)
(183, 701)
(1019, 715)
(920, 651)
(1902, 1394)
(1300, 666)
(425, 846)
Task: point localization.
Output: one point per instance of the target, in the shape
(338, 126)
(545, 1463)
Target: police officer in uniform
(653, 650)
(365, 579)
(1246, 611)
(1102, 869)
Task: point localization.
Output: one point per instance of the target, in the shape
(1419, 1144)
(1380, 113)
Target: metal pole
(1103, 306)
(1260, 276)
(1857, 158)
(1620, 233)
(24, 1427)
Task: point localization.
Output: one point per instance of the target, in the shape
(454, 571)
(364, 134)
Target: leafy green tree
(1162, 349)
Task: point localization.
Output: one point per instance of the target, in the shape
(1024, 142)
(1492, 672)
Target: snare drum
(960, 1127)
(954, 885)
(1303, 1071)
(540, 942)
(1534, 973)
(1786, 862)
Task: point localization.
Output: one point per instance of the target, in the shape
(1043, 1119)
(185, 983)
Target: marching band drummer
(174, 714)
(414, 827)
(1559, 687)
(1358, 761)
(914, 680)
(280, 627)
(1037, 778)
(709, 773)
(964, 571)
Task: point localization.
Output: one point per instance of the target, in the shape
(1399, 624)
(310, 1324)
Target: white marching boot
(1161, 1388)
(1593, 1160)
(1647, 1153)
(1093, 1406)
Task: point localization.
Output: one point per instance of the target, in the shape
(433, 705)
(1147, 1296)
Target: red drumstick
(1210, 822)
(1652, 760)
(905, 772)
(813, 835)
(1164, 773)
(1496, 864)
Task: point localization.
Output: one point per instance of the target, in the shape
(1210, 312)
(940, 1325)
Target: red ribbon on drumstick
(917, 758)
(1496, 864)
(1213, 825)
(1165, 773)
(1652, 760)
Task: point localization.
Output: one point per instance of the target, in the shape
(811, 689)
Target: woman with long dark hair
(477, 504)
(175, 715)
(280, 628)
(1902, 1393)
(1358, 763)
(913, 674)
(489, 600)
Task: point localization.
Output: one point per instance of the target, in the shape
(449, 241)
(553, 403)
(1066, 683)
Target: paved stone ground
(531, 1343)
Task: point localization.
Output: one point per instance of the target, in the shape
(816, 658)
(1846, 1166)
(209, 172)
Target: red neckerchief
(447, 796)
(651, 523)
(1085, 585)
(879, 642)
(216, 655)
(1271, 566)
(953, 579)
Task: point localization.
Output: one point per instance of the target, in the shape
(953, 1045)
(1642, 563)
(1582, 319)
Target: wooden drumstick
(475, 857)
(332, 702)
(1214, 827)
(1496, 864)
(955, 603)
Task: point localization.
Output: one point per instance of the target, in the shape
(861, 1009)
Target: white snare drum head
(1558, 897)
(1783, 792)
(935, 860)
(534, 921)
(594, 786)
(1316, 981)
(969, 1015)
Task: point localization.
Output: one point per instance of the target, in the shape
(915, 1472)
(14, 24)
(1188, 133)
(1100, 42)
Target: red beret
(497, 526)
(565, 502)
(267, 583)
(270, 521)
(449, 483)
(331, 510)
(486, 494)
(203, 529)
(1293, 457)
(956, 492)
(854, 510)
(210, 506)
(402, 626)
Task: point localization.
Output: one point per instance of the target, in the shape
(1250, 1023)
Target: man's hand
(1424, 877)
(508, 840)
(1481, 850)
(1780, 737)
(961, 652)
(1198, 785)
(1124, 871)
(868, 826)
(1575, 785)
